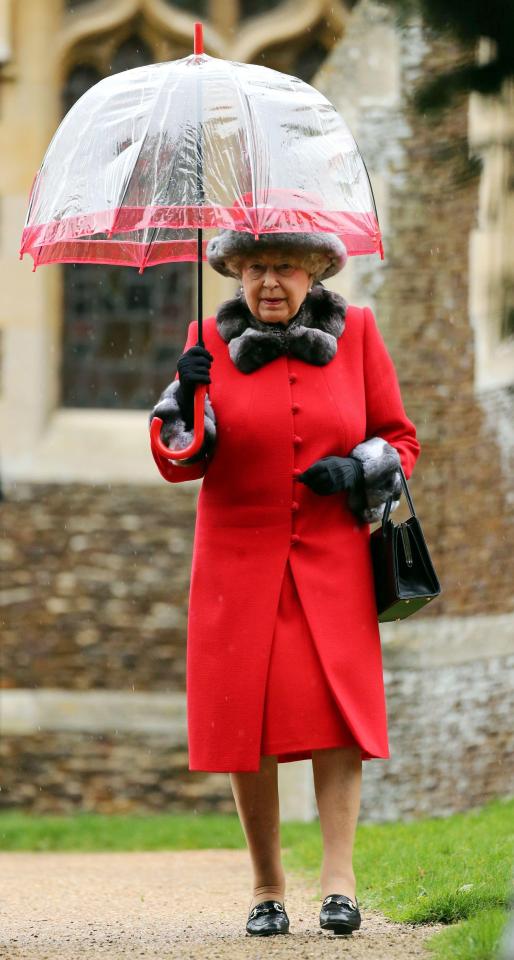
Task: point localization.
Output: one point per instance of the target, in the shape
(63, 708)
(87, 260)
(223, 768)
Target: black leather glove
(193, 367)
(332, 474)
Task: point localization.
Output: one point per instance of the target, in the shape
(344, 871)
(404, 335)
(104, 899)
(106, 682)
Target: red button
(295, 408)
(297, 441)
(294, 539)
(295, 506)
(292, 378)
(297, 472)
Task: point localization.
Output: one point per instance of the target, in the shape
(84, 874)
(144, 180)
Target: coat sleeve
(390, 435)
(174, 433)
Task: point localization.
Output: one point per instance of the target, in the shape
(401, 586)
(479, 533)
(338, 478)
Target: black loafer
(339, 914)
(267, 918)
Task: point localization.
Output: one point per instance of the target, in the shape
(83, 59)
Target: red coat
(253, 515)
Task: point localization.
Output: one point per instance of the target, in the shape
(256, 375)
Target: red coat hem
(287, 758)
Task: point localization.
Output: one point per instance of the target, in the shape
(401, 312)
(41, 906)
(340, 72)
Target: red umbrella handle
(160, 450)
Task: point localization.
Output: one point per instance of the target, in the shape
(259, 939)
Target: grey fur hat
(232, 243)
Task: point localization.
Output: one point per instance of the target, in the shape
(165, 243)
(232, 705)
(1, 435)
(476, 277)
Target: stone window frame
(491, 137)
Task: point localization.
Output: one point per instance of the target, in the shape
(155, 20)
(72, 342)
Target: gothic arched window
(122, 332)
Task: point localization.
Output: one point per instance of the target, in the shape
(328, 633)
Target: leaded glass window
(72, 4)
(307, 63)
(132, 53)
(196, 7)
(79, 80)
(507, 282)
(122, 331)
(125, 332)
(253, 8)
(507, 308)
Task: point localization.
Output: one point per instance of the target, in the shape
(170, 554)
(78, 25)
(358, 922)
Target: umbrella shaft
(199, 288)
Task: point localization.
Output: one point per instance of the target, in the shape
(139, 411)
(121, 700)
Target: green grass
(455, 870)
(94, 831)
(428, 871)
(474, 939)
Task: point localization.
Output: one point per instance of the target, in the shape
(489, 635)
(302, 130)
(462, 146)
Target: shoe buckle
(339, 898)
(260, 909)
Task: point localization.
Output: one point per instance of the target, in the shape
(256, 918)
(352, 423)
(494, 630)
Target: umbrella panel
(196, 143)
(126, 249)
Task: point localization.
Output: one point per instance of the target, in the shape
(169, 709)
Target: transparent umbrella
(149, 162)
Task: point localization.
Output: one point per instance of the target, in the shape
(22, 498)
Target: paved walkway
(182, 905)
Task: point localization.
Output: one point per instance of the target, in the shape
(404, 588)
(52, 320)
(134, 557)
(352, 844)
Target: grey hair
(315, 264)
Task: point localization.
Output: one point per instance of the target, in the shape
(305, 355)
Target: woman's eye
(285, 269)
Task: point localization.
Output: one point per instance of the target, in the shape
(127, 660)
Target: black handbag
(405, 579)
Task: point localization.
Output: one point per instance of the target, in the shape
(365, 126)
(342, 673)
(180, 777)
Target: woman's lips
(272, 303)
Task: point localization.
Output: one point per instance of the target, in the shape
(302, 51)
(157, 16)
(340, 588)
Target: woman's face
(274, 286)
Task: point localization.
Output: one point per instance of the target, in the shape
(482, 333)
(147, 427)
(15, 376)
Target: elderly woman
(305, 433)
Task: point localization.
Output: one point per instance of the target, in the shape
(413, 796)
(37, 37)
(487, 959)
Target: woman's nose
(270, 278)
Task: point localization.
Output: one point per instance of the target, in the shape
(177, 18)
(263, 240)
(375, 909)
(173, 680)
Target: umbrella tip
(198, 40)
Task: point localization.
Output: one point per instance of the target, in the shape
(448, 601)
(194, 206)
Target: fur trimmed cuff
(382, 479)
(173, 431)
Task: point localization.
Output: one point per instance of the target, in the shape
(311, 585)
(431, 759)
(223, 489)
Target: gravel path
(194, 904)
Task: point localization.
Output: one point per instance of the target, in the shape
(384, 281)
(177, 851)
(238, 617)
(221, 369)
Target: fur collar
(311, 335)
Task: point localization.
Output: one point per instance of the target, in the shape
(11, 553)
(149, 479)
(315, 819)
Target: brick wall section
(451, 738)
(66, 772)
(95, 583)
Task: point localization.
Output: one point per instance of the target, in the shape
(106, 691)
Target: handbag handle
(389, 501)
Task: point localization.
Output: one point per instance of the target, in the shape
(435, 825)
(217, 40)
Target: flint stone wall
(94, 606)
(95, 583)
(451, 738)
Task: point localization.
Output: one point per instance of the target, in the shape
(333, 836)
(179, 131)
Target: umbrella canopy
(147, 157)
